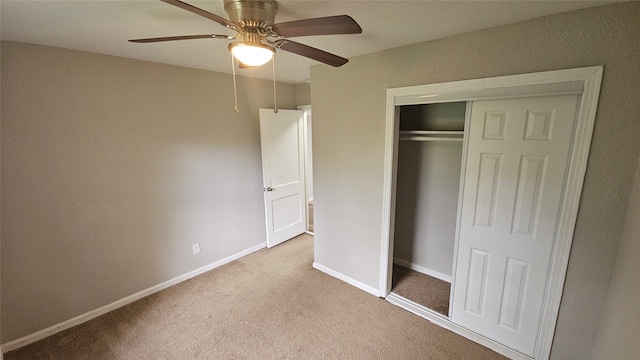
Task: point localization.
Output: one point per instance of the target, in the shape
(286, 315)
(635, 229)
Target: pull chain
(235, 91)
(275, 102)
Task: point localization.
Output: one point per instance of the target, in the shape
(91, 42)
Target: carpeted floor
(422, 289)
(268, 305)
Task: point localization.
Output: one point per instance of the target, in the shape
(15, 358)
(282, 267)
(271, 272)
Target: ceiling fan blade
(311, 52)
(180, 37)
(330, 25)
(219, 19)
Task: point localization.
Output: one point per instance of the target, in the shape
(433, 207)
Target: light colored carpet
(422, 289)
(268, 305)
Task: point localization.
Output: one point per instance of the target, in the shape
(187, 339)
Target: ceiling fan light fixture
(252, 54)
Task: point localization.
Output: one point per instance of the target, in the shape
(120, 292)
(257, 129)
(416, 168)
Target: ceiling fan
(258, 36)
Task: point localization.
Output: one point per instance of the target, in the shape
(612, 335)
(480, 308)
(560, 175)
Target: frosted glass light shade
(251, 54)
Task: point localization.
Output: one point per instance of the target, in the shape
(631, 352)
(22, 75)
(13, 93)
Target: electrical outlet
(196, 248)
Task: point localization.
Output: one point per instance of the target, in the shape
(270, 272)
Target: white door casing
(281, 136)
(308, 145)
(516, 167)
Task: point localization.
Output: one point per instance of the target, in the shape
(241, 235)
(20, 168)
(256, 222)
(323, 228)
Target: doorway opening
(308, 164)
(428, 171)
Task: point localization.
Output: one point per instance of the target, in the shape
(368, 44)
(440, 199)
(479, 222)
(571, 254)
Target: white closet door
(515, 176)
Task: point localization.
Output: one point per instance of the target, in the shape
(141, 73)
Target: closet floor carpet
(423, 289)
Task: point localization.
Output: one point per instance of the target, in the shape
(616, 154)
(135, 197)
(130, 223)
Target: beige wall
(111, 169)
(348, 136)
(303, 94)
(618, 333)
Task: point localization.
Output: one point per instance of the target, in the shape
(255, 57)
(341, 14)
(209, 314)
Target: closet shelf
(431, 135)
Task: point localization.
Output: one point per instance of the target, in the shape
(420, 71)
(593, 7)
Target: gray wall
(303, 94)
(349, 127)
(618, 333)
(427, 205)
(111, 169)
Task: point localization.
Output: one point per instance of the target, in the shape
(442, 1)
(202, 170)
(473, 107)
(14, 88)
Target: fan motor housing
(261, 11)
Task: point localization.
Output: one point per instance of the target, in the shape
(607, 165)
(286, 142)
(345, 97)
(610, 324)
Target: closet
(427, 195)
(513, 177)
(482, 185)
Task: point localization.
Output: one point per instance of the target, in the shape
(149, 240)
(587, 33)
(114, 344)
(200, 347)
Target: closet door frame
(583, 81)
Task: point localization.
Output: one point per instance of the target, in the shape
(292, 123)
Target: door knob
(269, 188)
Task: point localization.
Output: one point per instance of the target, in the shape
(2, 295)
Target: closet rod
(429, 138)
(432, 132)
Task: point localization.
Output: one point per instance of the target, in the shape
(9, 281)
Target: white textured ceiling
(105, 26)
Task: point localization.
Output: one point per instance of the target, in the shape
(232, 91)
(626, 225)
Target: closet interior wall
(428, 184)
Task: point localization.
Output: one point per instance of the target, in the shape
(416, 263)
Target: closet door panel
(488, 175)
(517, 159)
(476, 286)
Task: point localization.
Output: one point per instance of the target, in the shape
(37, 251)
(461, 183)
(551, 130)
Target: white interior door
(515, 176)
(282, 143)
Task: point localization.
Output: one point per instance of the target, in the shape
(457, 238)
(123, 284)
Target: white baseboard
(39, 335)
(444, 322)
(422, 269)
(371, 290)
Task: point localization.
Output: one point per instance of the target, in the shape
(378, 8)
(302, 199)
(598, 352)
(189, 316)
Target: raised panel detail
(513, 298)
(283, 218)
(478, 264)
(285, 163)
(494, 123)
(530, 181)
(538, 124)
(487, 187)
